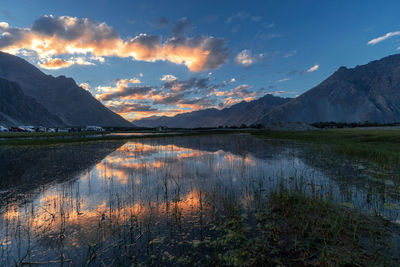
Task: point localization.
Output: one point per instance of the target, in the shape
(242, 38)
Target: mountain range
(242, 113)
(369, 92)
(60, 96)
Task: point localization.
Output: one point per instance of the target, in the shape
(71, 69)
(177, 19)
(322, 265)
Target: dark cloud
(161, 22)
(181, 26)
(126, 92)
(150, 41)
(131, 107)
(72, 28)
(169, 99)
(188, 85)
(14, 35)
(202, 101)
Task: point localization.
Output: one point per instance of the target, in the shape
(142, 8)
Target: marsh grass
(380, 146)
(199, 208)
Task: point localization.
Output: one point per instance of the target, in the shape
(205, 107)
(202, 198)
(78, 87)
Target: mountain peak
(236, 115)
(369, 92)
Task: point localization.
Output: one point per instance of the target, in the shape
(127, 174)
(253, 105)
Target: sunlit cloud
(136, 92)
(51, 36)
(313, 68)
(246, 58)
(173, 97)
(383, 38)
(85, 86)
(59, 63)
(168, 78)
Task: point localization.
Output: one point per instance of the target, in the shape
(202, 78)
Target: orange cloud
(58, 63)
(50, 36)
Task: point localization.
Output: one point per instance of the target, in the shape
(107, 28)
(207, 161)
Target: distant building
(94, 129)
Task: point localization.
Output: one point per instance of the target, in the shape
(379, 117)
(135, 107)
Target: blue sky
(241, 49)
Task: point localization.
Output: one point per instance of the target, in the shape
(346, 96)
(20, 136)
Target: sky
(154, 58)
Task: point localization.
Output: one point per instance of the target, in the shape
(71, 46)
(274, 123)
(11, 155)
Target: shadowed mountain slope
(59, 95)
(16, 108)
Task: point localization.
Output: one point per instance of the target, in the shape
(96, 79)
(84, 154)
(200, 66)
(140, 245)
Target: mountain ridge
(59, 95)
(235, 115)
(369, 92)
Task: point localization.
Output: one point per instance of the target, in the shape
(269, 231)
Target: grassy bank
(380, 146)
(11, 135)
(65, 138)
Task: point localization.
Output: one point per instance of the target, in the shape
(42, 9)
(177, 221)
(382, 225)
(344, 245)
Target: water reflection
(96, 203)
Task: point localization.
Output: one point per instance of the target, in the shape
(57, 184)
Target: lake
(146, 200)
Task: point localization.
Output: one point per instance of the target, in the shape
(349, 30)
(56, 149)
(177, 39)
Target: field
(238, 198)
(381, 146)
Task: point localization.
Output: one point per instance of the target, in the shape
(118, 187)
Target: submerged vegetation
(225, 200)
(380, 146)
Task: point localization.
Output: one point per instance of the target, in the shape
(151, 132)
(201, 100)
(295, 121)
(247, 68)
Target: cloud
(242, 16)
(85, 86)
(161, 22)
(238, 94)
(383, 38)
(246, 58)
(131, 107)
(168, 78)
(58, 63)
(180, 26)
(284, 80)
(289, 54)
(313, 68)
(187, 85)
(269, 26)
(52, 36)
(283, 92)
(126, 93)
(173, 96)
(134, 80)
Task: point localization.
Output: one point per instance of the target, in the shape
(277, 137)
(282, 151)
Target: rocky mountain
(16, 108)
(369, 92)
(242, 113)
(61, 96)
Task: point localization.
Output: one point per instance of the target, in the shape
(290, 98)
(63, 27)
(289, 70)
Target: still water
(112, 202)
